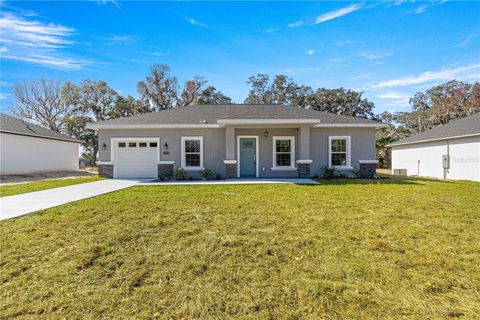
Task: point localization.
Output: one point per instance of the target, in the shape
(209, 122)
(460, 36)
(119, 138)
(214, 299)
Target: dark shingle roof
(9, 124)
(212, 113)
(463, 127)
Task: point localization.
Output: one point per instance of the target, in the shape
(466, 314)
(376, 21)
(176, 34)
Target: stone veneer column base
(304, 168)
(230, 169)
(165, 170)
(105, 170)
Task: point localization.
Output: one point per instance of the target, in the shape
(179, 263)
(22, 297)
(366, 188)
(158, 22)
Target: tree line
(68, 107)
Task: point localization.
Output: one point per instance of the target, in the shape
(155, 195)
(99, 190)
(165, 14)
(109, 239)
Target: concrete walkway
(232, 181)
(14, 206)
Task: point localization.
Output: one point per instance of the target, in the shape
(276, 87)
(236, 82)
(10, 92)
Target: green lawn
(10, 190)
(391, 249)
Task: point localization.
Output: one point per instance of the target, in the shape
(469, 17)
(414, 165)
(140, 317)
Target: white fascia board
(166, 162)
(430, 140)
(267, 121)
(350, 125)
(151, 126)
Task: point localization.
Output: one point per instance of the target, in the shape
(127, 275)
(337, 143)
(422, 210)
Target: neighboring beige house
(450, 151)
(235, 141)
(28, 148)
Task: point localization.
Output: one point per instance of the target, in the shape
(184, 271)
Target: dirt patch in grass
(10, 190)
(353, 251)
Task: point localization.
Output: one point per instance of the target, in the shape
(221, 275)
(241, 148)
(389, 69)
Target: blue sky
(389, 50)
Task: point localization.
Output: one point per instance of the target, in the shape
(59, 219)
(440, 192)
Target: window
(192, 152)
(132, 144)
(283, 152)
(153, 144)
(142, 144)
(122, 144)
(339, 151)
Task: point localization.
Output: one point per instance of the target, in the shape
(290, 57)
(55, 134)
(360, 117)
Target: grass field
(391, 249)
(10, 190)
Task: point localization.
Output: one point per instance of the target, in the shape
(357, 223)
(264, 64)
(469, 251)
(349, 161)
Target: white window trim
(349, 152)
(292, 154)
(257, 160)
(183, 162)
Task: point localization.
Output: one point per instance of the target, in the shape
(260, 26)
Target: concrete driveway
(14, 206)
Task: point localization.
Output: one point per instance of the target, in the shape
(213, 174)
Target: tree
(159, 91)
(282, 90)
(212, 96)
(40, 102)
(192, 91)
(342, 101)
(91, 101)
(127, 107)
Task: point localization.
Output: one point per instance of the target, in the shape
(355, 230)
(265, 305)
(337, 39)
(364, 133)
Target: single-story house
(29, 148)
(235, 141)
(450, 151)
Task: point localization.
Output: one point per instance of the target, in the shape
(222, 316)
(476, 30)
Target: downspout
(445, 170)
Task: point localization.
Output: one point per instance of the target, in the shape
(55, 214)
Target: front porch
(279, 150)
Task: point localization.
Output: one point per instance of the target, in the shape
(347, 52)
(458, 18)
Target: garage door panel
(136, 159)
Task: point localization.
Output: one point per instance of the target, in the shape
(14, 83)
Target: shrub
(207, 174)
(329, 173)
(179, 174)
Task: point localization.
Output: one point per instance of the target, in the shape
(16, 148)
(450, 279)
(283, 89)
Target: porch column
(230, 162)
(304, 161)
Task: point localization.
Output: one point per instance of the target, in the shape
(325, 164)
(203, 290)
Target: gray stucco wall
(362, 142)
(213, 144)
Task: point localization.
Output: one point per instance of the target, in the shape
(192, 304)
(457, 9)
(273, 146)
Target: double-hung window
(192, 152)
(283, 152)
(339, 151)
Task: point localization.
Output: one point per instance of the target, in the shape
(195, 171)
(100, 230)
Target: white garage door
(136, 159)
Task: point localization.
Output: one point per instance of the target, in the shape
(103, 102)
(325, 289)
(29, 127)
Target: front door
(248, 157)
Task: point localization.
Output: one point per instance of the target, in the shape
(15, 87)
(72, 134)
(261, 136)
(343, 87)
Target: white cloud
(467, 40)
(395, 98)
(296, 24)
(310, 52)
(17, 30)
(196, 23)
(2, 97)
(337, 61)
(341, 43)
(104, 2)
(375, 56)
(3, 49)
(420, 9)
(337, 13)
(38, 42)
(271, 30)
(468, 72)
(362, 76)
(60, 63)
(116, 39)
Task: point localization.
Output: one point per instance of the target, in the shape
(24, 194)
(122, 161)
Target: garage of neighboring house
(135, 157)
(450, 151)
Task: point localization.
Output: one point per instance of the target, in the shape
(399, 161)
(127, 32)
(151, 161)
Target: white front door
(136, 159)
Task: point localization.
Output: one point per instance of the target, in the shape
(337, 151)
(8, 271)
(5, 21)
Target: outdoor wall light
(165, 146)
(265, 134)
(104, 146)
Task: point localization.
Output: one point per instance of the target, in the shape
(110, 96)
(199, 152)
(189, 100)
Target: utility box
(446, 161)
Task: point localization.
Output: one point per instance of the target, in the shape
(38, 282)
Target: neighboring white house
(28, 148)
(450, 151)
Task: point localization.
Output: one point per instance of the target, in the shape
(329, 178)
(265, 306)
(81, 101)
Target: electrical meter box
(446, 161)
